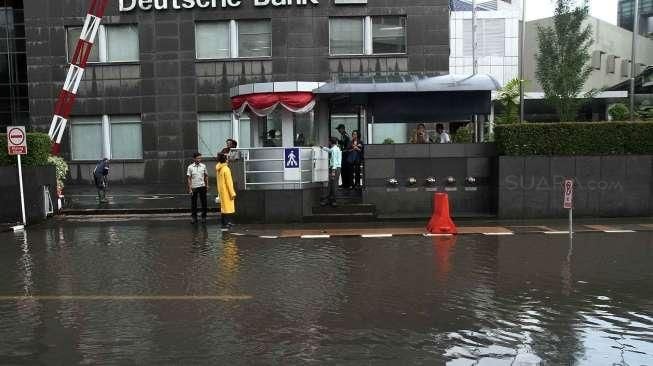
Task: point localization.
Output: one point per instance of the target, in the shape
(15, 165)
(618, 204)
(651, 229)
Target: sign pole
(568, 203)
(22, 193)
(571, 222)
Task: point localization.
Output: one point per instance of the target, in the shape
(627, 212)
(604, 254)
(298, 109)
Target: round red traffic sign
(16, 136)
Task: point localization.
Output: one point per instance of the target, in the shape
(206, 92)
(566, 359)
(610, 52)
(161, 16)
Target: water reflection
(465, 300)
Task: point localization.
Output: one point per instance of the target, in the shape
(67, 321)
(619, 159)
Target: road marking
(18, 228)
(436, 235)
(376, 236)
(499, 234)
(315, 236)
(556, 232)
(268, 237)
(125, 298)
(237, 234)
(618, 231)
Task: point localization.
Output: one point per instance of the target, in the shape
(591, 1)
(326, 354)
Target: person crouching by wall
(226, 192)
(101, 179)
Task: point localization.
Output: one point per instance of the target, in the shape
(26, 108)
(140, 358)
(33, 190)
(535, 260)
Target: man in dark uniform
(101, 179)
(344, 143)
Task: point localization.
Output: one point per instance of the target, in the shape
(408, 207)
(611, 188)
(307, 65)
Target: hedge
(38, 150)
(601, 138)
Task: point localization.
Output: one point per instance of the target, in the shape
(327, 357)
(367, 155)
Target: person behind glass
(101, 179)
(420, 136)
(355, 159)
(226, 192)
(335, 164)
(443, 136)
(198, 181)
(344, 143)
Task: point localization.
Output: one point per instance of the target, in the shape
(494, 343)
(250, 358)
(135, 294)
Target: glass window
(213, 131)
(86, 139)
(346, 36)
(73, 37)
(490, 37)
(254, 38)
(212, 40)
(245, 132)
(305, 132)
(349, 120)
(389, 34)
(272, 136)
(122, 43)
(126, 137)
(397, 132)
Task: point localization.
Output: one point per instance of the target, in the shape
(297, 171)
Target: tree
(509, 99)
(563, 58)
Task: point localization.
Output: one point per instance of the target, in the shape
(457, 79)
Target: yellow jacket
(225, 188)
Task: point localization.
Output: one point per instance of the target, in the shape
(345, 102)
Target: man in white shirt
(335, 164)
(443, 136)
(198, 182)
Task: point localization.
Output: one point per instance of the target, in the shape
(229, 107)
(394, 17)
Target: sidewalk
(125, 199)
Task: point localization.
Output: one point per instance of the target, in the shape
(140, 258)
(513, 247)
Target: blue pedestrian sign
(292, 158)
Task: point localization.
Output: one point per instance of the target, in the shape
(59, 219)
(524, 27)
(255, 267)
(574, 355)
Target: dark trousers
(201, 192)
(333, 184)
(347, 179)
(227, 219)
(356, 174)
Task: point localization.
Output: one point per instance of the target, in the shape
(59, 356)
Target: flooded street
(166, 292)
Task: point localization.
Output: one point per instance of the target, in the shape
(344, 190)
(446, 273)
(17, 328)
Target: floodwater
(152, 292)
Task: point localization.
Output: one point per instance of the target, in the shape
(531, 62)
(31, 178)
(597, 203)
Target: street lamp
(634, 62)
(521, 61)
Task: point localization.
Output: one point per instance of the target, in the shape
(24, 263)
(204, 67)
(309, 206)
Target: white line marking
(237, 234)
(18, 228)
(499, 234)
(268, 237)
(556, 232)
(376, 236)
(618, 231)
(435, 235)
(315, 236)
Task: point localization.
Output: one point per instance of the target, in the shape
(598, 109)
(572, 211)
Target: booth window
(113, 137)
(113, 43)
(233, 39)
(370, 35)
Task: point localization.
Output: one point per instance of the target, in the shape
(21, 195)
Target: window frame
(368, 36)
(233, 37)
(101, 43)
(104, 121)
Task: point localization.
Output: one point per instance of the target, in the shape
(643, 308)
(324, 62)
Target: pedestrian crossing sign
(292, 158)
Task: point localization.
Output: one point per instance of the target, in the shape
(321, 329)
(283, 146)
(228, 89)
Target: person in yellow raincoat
(226, 191)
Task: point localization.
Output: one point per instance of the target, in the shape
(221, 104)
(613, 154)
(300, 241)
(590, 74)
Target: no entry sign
(16, 140)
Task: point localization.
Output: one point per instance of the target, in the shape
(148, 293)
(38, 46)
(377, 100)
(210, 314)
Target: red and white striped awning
(262, 104)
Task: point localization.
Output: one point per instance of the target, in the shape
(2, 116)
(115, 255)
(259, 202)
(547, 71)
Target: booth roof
(410, 84)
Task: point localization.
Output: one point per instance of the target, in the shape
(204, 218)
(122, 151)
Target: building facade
(157, 87)
(14, 102)
(611, 54)
(497, 38)
(626, 16)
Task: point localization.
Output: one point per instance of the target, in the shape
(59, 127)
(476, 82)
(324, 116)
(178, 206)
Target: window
(346, 36)
(367, 35)
(397, 132)
(115, 137)
(113, 43)
(213, 131)
(490, 37)
(244, 132)
(388, 34)
(233, 39)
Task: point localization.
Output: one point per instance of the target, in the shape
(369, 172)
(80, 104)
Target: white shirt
(444, 138)
(196, 172)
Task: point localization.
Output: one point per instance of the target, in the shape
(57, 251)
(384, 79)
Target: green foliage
(563, 58)
(619, 112)
(61, 167)
(509, 100)
(388, 141)
(645, 111)
(463, 136)
(38, 150)
(602, 138)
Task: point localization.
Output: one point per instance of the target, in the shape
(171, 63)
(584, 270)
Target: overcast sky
(602, 9)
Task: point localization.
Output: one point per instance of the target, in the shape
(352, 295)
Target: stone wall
(606, 186)
(34, 178)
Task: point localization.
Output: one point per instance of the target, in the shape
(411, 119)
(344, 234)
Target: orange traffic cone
(441, 222)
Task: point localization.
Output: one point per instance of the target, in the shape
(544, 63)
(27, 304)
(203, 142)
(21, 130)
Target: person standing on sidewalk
(344, 143)
(335, 164)
(226, 192)
(101, 179)
(198, 181)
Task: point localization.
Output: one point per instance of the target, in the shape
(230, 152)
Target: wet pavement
(160, 291)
